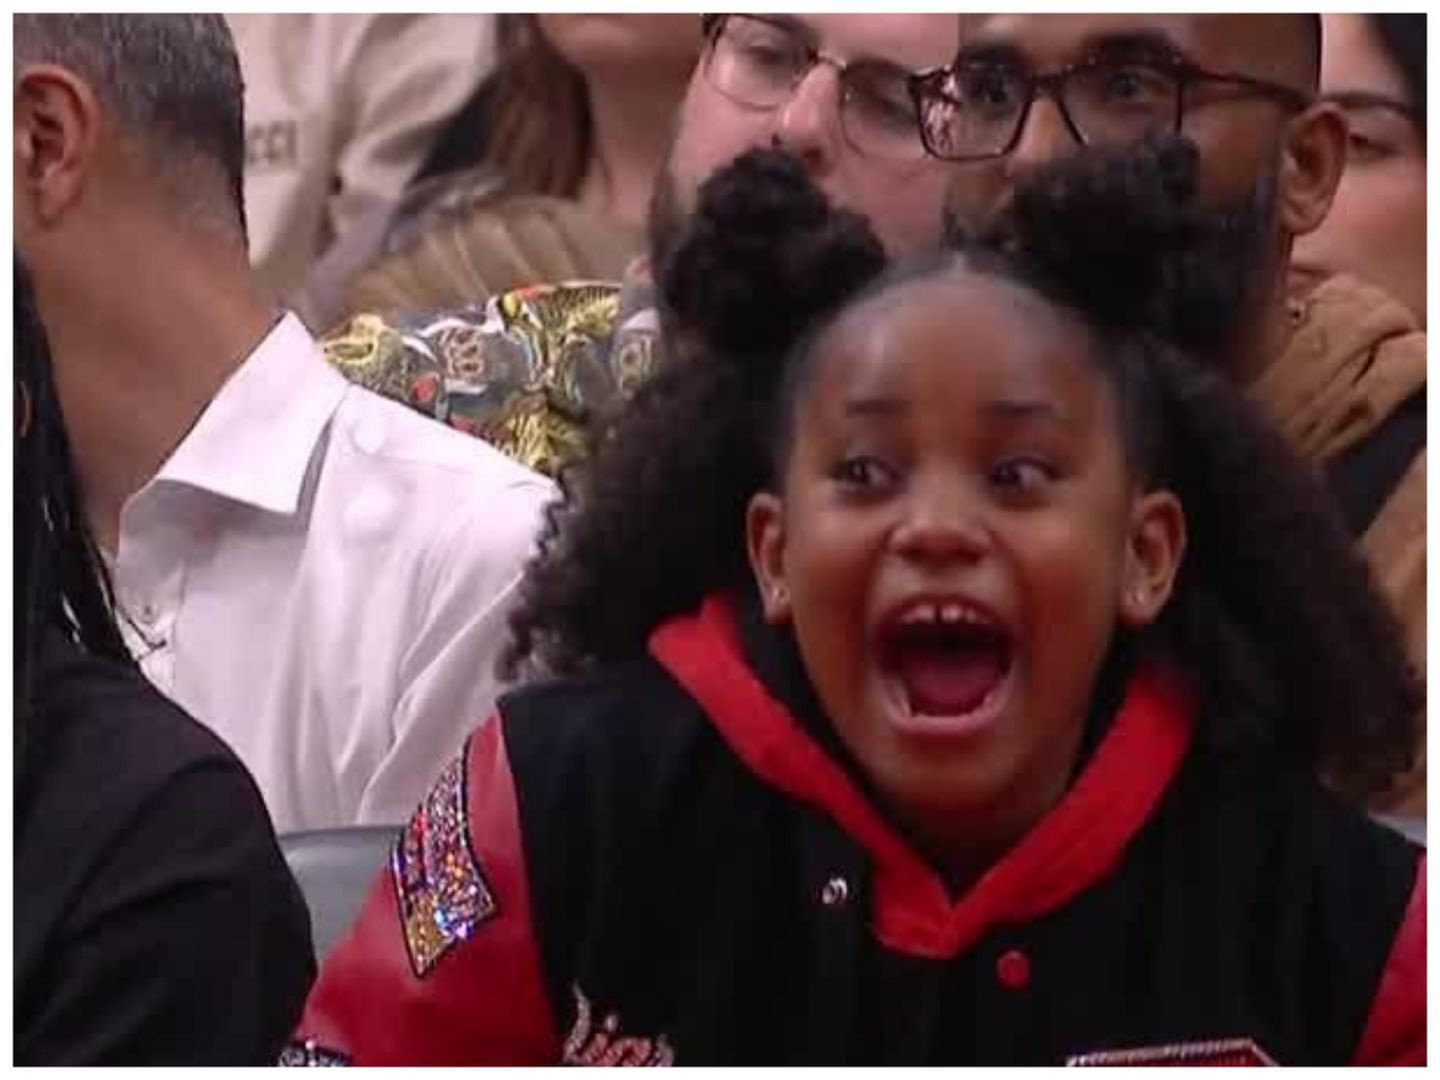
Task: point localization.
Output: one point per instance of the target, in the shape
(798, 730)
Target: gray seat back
(1413, 827)
(335, 869)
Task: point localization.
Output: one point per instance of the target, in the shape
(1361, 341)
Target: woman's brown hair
(540, 136)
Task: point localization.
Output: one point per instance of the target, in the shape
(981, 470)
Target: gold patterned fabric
(528, 371)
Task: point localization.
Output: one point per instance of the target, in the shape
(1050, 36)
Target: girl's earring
(777, 604)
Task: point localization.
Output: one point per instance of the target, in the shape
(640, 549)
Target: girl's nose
(940, 529)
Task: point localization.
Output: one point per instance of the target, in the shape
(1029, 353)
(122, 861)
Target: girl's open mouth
(946, 665)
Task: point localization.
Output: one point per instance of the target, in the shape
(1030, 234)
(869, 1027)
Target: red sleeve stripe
(1395, 1033)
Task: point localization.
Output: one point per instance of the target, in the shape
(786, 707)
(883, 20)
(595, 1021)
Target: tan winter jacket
(1355, 356)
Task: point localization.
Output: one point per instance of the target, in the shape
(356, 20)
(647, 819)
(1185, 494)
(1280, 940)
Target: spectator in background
(155, 920)
(1373, 67)
(533, 370)
(1344, 381)
(318, 575)
(340, 111)
(545, 176)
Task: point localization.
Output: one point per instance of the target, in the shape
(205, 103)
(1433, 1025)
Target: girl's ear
(1153, 556)
(765, 544)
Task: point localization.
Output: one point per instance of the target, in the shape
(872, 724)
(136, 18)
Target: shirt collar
(254, 441)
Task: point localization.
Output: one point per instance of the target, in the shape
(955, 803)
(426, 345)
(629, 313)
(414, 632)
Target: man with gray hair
(319, 575)
(186, 99)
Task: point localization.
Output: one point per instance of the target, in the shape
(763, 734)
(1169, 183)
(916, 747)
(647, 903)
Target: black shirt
(155, 918)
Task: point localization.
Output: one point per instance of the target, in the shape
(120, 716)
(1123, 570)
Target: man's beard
(1208, 270)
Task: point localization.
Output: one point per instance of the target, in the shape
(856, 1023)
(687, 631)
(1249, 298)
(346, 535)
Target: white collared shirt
(323, 578)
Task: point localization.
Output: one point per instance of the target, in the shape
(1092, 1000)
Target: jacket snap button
(835, 892)
(1013, 970)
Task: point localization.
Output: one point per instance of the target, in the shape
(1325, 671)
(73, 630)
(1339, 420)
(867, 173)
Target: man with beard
(1220, 111)
(530, 370)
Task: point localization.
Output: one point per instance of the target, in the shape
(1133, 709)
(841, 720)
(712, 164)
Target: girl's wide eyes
(1023, 475)
(1019, 476)
(863, 471)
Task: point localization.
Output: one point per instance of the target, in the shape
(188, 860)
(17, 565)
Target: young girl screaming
(939, 670)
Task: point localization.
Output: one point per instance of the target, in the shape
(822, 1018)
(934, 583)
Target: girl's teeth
(947, 614)
(925, 613)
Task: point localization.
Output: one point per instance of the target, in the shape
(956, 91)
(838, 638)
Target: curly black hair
(1273, 611)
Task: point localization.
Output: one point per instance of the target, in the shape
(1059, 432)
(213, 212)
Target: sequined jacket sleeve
(442, 967)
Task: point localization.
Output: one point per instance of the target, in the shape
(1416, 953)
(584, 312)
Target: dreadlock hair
(1273, 612)
(60, 581)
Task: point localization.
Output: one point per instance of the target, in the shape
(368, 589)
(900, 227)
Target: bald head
(1243, 90)
(1243, 80)
(1284, 47)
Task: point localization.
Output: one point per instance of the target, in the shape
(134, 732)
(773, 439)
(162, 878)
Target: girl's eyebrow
(1014, 411)
(875, 406)
(1006, 409)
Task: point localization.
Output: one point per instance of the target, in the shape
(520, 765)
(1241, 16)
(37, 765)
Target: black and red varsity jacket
(662, 865)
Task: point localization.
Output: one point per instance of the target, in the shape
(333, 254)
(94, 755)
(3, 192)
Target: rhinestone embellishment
(442, 892)
(310, 1055)
(605, 1043)
(1209, 1052)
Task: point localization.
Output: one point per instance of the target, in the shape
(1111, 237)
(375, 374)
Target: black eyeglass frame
(928, 85)
(712, 26)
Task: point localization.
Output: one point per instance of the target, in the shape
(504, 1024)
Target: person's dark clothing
(155, 919)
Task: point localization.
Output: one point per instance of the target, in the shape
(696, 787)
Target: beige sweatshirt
(340, 111)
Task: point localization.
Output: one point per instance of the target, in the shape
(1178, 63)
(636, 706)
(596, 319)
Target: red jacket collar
(1075, 845)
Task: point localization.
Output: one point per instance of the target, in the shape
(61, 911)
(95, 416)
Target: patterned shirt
(529, 371)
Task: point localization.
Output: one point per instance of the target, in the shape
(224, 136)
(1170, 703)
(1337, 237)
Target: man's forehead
(1049, 40)
(911, 40)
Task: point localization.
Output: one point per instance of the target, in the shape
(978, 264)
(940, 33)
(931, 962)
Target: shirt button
(1013, 970)
(370, 435)
(835, 892)
(149, 613)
